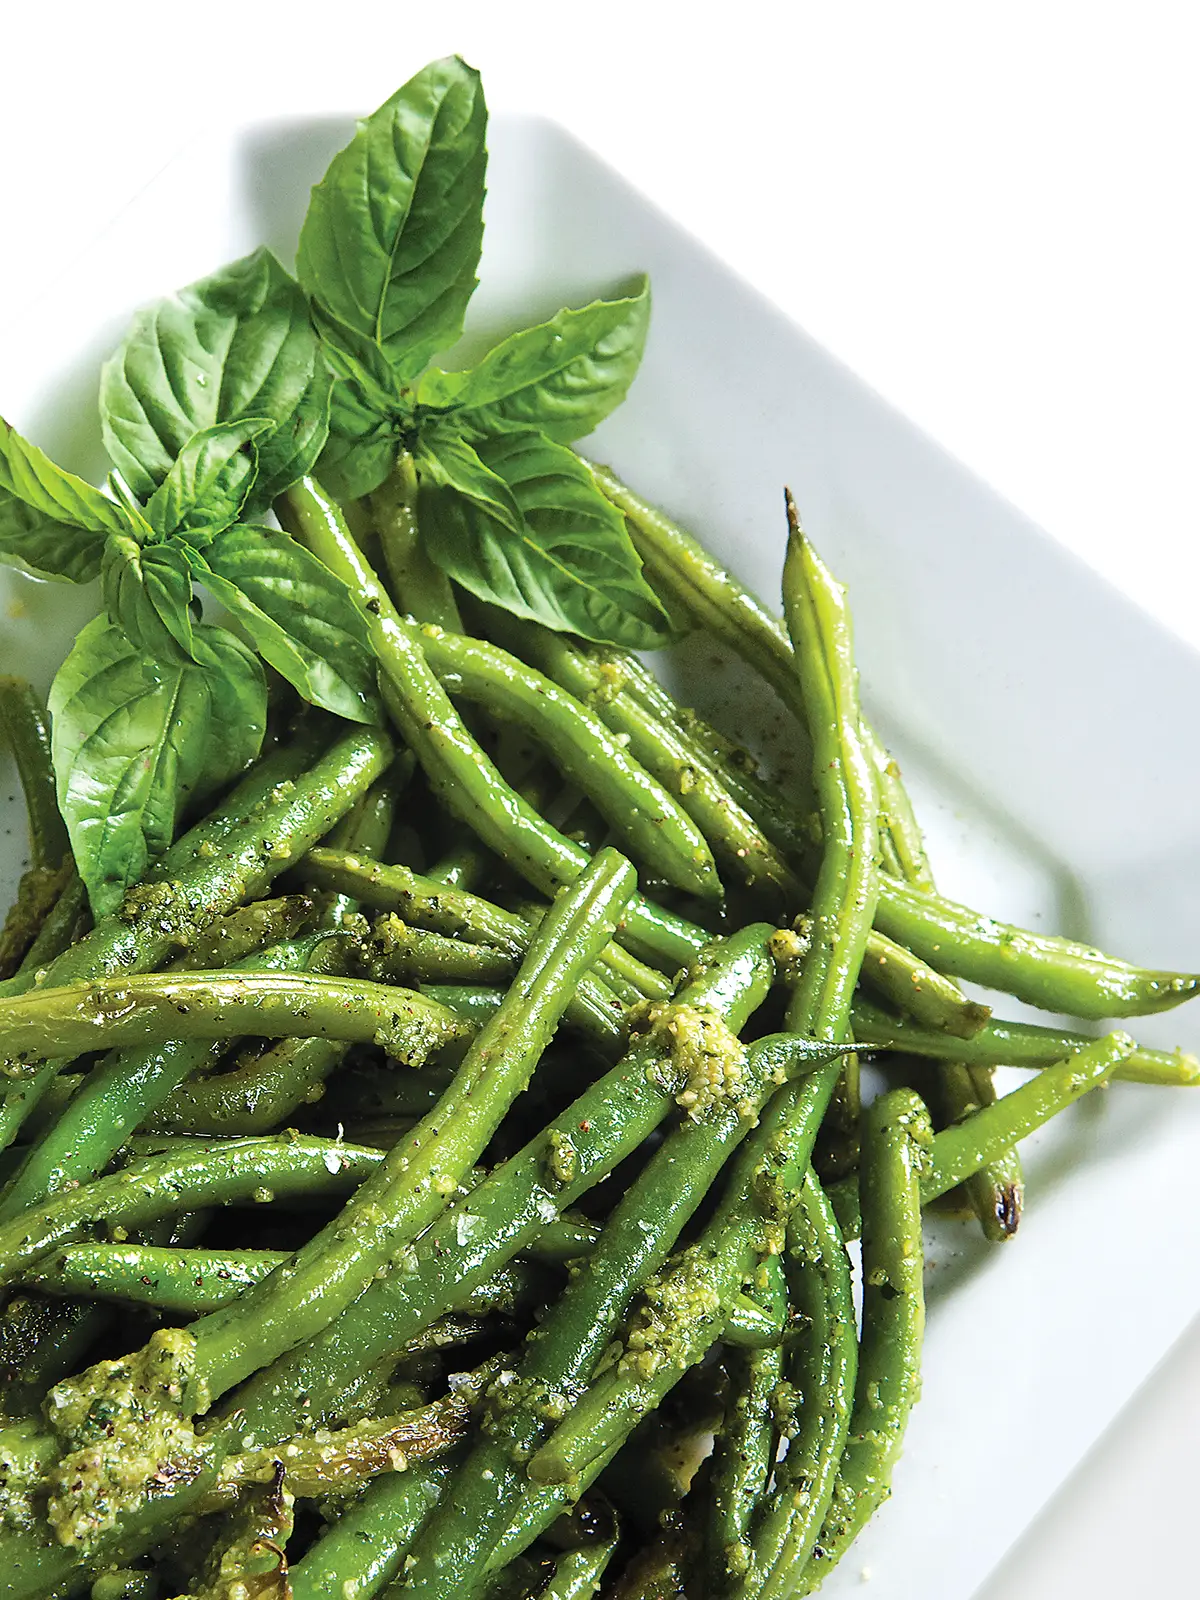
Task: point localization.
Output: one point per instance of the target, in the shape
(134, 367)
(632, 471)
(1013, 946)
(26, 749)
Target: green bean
(423, 1171)
(1056, 974)
(365, 1547)
(996, 1192)
(745, 1445)
(245, 929)
(847, 884)
(418, 586)
(210, 1174)
(657, 829)
(397, 953)
(513, 1207)
(750, 1326)
(63, 924)
(1017, 1044)
(701, 587)
(23, 723)
(577, 1573)
(898, 821)
(682, 1314)
(598, 679)
(182, 1281)
(896, 1140)
(964, 1148)
(190, 1281)
(158, 919)
(959, 1151)
(151, 1008)
(117, 1095)
(821, 1366)
(462, 1536)
(257, 1095)
(630, 978)
(269, 780)
(459, 772)
(456, 913)
(917, 989)
(653, 826)
(374, 1445)
(37, 893)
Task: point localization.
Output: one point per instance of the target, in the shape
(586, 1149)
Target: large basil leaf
(209, 481)
(390, 246)
(445, 459)
(28, 474)
(571, 566)
(562, 377)
(136, 740)
(43, 545)
(298, 614)
(147, 590)
(235, 346)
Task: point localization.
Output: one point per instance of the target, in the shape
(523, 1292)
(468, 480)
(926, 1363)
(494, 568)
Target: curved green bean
(25, 728)
(458, 770)
(745, 1446)
(1041, 969)
(1017, 1044)
(896, 1140)
(646, 819)
(151, 1008)
(419, 588)
(201, 1175)
(257, 1095)
(456, 913)
(160, 918)
(821, 1366)
(117, 1095)
(598, 679)
(1057, 974)
(365, 1548)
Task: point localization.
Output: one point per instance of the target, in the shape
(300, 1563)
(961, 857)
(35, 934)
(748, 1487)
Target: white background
(988, 212)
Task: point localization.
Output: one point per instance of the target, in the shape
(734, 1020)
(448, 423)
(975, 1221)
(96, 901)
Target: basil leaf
(444, 458)
(362, 444)
(572, 566)
(44, 546)
(233, 347)
(147, 590)
(390, 246)
(209, 481)
(136, 740)
(28, 474)
(562, 377)
(298, 614)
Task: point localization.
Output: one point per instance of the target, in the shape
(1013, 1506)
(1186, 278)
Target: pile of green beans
(481, 1231)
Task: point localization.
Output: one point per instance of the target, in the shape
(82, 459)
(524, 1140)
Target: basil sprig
(216, 402)
(388, 256)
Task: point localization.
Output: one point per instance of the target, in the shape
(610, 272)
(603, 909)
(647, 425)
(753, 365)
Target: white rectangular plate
(1046, 727)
